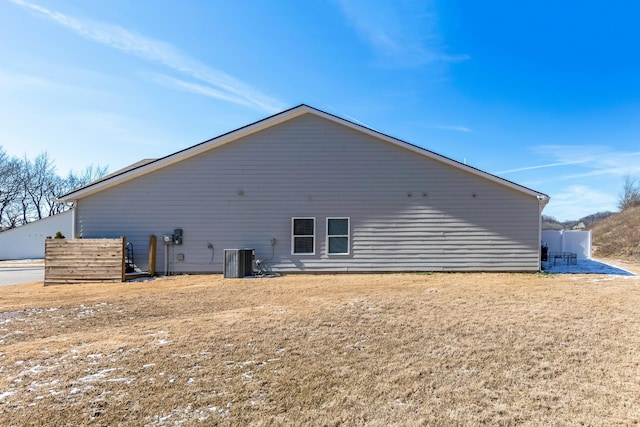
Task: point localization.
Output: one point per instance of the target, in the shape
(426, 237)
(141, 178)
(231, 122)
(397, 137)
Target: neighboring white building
(27, 241)
(313, 192)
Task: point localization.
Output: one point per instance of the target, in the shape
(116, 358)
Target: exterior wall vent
(238, 263)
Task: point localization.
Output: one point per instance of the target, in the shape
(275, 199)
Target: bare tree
(630, 193)
(62, 186)
(10, 188)
(58, 189)
(38, 186)
(29, 189)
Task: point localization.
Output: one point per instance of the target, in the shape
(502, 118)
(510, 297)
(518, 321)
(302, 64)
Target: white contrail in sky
(220, 84)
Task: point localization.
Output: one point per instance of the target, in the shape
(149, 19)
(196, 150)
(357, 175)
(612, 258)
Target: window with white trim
(303, 236)
(338, 236)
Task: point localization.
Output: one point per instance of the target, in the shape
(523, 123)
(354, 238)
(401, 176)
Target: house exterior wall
(407, 212)
(27, 241)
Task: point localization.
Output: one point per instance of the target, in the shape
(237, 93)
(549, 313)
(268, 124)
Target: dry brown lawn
(387, 349)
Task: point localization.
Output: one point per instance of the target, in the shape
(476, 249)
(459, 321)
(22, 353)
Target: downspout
(73, 219)
(543, 200)
(71, 204)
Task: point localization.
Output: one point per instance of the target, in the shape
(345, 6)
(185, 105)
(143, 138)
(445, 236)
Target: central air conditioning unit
(238, 263)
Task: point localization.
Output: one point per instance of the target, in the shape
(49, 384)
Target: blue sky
(545, 93)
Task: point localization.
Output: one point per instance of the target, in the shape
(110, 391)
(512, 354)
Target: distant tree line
(29, 188)
(628, 198)
(550, 223)
(630, 195)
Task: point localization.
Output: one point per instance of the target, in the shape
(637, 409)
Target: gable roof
(148, 166)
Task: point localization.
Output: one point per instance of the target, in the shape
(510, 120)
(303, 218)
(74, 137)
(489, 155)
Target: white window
(303, 236)
(338, 236)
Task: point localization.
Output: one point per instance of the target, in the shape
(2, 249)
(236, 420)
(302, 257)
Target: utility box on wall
(238, 263)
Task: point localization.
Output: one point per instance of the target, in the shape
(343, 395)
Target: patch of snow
(585, 266)
(7, 394)
(38, 385)
(86, 313)
(97, 375)
(121, 380)
(35, 369)
(146, 279)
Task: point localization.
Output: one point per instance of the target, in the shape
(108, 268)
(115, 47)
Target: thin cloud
(14, 81)
(336, 111)
(548, 165)
(619, 170)
(454, 128)
(594, 160)
(354, 120)
(199, 89)
(399, 30)
(222, 85)
(577, 201)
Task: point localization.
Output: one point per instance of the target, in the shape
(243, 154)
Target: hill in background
(550, 223)
(618, 235)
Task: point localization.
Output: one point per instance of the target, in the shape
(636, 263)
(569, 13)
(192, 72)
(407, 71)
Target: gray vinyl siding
(407, 212)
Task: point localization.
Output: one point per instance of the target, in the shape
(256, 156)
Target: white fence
(578, 242)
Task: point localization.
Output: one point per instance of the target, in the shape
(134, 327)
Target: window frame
(294, 236)
(348, 236)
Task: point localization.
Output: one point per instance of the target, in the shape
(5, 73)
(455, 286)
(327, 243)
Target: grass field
(378, 350)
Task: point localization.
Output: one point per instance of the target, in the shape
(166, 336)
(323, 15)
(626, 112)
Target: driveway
(22, 271)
